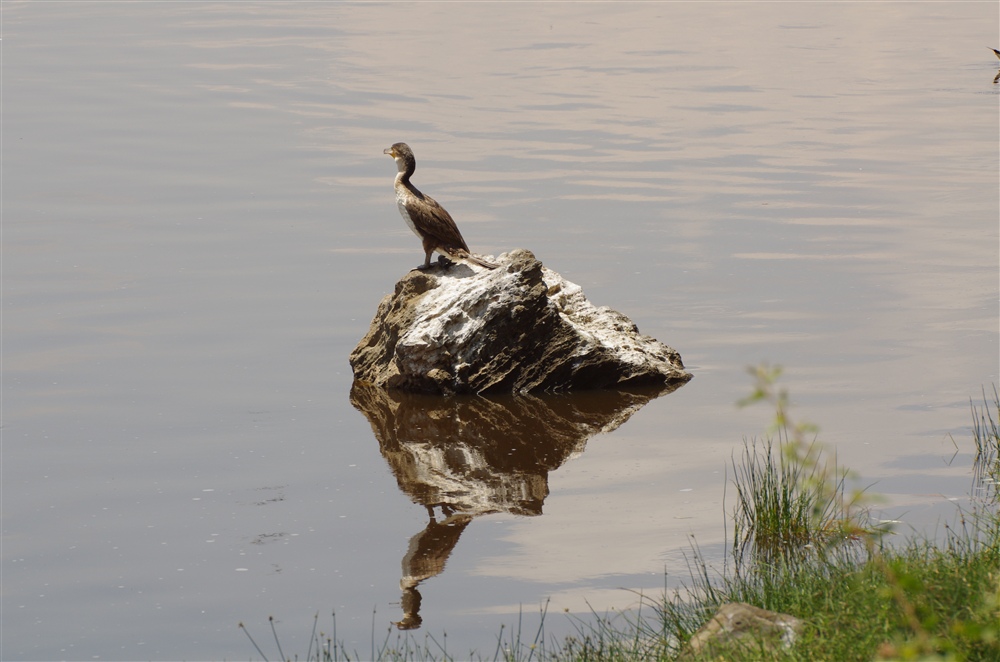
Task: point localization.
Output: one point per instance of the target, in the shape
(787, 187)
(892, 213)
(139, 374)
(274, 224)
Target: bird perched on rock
(428, 219)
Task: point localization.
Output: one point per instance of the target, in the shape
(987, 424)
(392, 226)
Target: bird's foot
(442, 262)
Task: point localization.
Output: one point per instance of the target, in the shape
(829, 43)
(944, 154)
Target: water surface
(198, 224)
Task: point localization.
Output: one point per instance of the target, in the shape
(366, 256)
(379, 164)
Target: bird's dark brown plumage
(428, 220)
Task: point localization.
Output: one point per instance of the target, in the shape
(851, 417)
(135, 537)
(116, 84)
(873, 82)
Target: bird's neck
(406, 169)
(403, 181)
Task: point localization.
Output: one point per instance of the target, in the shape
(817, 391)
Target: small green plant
(793, 503)
(986, 434)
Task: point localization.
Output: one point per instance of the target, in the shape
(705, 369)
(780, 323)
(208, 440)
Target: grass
(803, 545)
(792, 501)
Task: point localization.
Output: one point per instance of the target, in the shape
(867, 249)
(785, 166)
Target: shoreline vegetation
(802, 545)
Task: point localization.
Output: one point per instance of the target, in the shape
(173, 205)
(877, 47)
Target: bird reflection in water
(468, 456)
(425, 558)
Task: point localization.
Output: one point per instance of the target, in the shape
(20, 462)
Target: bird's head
(403, 155)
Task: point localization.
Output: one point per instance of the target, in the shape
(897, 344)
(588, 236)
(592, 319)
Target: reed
(792, 501)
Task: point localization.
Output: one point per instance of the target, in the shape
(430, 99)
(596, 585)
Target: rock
(744, 626)
(518, 328)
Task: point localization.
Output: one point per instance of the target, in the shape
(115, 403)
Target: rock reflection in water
(467, 456)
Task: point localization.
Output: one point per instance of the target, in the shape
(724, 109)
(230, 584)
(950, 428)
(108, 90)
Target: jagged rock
(739, 625)
(518, 328)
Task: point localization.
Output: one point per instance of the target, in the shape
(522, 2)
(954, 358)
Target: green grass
(802, 546)
(792, 502)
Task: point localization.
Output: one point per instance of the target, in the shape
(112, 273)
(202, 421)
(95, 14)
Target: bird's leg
(427, 260)
(428, 246)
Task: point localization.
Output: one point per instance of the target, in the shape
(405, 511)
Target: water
(198, 224)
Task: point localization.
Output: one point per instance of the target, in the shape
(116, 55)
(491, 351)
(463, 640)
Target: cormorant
(428, 219)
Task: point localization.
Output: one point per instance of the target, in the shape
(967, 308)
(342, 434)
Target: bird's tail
(481, 262)
(475, 259)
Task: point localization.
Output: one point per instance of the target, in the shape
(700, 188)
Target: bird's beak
(388, 150)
